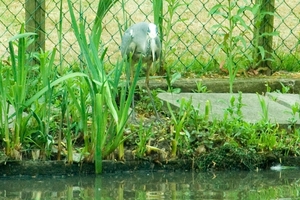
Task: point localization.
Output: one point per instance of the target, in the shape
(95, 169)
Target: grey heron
(141, 41)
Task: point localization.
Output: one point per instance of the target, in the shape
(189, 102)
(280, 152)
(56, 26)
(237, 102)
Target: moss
(229, 157)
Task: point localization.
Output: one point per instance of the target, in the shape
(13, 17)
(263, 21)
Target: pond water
(157, 185)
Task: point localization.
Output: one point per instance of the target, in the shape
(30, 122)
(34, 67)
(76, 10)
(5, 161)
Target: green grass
(287, 62)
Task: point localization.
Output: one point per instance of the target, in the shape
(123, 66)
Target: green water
(142, 185)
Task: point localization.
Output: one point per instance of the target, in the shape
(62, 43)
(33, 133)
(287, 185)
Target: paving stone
(251, 109)
(285, 99)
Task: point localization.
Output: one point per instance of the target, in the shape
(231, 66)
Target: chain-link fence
(192, 42)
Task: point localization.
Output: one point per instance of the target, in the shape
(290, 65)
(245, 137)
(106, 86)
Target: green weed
(234, 45)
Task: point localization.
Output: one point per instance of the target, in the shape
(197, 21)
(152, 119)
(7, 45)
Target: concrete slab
(287, 100)
(251, 110)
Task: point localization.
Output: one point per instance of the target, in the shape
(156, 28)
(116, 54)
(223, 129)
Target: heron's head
(152, 31)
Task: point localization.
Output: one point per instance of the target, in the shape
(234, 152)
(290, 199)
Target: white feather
(152, 30)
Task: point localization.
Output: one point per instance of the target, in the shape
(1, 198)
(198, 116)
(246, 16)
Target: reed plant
(64, 94)
(43, 107)
(31, 116)
(109, 117)
(18, 88)
(103, 8)
(4, 109)
(37, 112)
(127, 20)
(79, 98)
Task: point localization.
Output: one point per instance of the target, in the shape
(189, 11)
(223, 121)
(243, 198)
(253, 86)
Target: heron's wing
(127, 45)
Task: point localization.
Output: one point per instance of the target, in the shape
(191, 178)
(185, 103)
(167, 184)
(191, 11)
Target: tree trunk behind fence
(264, 24)
(35, 22)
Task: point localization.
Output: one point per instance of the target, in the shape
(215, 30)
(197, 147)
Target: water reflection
(143, 185)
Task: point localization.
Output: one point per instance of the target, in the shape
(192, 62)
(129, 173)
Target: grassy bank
(83, 113)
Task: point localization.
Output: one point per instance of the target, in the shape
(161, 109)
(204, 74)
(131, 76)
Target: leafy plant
(165, 24)
(201, 88)
(144, 135)
(179, 121)
(233, 45)
(31, 116)
(234, 109)
(108, 125)
(234, 34)
(285, 88)
(261, 50)
(295, 115)
(4, 108)
(18, 89)
(268, 88)
(264, 108)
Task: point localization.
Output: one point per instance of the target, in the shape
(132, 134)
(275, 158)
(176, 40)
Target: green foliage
(108, 125)
(18, 89)
(165, 24)
(233, 45)
(144, 135)
(259, 52)
(234, 109)
(30, 114)
(295, 115)
(264, 108)
(234, 32)
(200, 88)
(103, 8)
(158, 16)
(287, 61)
(179, 121)
(4, 130)
(52, 108)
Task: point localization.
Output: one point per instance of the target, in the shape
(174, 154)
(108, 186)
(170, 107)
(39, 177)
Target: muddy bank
(203, 163)
(61, 168)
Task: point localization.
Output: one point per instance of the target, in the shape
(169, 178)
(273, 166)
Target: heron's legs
(148, 88)
(133, 117)
(148, 74)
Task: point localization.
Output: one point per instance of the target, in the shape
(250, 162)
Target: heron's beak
(152, 34)
(153, 47)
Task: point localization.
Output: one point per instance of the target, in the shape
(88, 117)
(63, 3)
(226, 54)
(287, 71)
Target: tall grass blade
(19, 70)
(100, 133)
(4, 109)
(103, 8)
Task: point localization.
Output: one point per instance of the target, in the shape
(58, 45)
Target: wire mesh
(192, 40)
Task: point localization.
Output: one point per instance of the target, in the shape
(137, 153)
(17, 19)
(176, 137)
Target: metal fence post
(35, 22)
(263, 29)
